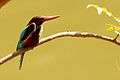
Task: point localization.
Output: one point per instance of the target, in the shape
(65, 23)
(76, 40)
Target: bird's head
(38, 20)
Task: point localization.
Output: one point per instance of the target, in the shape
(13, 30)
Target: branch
(59, 35)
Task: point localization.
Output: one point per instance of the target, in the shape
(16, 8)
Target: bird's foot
(32, 48)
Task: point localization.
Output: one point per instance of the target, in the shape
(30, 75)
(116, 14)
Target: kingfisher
(29, 37)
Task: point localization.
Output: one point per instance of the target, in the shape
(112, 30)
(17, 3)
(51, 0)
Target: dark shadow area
(3, 2)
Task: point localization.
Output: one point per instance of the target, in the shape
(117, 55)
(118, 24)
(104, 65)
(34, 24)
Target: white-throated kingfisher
(29, 37)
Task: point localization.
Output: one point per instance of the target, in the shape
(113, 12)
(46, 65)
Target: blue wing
(25, 33)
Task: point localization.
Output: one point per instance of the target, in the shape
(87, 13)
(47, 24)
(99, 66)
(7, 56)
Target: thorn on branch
(116, 37)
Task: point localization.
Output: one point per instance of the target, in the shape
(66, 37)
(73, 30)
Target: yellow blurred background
(64, 58)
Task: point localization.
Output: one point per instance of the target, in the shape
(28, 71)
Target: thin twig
(59, 35)
(116, 37)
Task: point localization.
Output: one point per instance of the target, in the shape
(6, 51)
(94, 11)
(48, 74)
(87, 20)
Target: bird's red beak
(47, 18)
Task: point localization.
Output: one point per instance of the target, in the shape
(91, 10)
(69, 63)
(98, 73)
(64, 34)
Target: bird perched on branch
(29, 37)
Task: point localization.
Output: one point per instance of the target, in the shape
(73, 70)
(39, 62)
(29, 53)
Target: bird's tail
(21, 60)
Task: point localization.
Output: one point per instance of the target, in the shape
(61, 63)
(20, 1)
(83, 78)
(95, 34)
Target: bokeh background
(64, 58)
